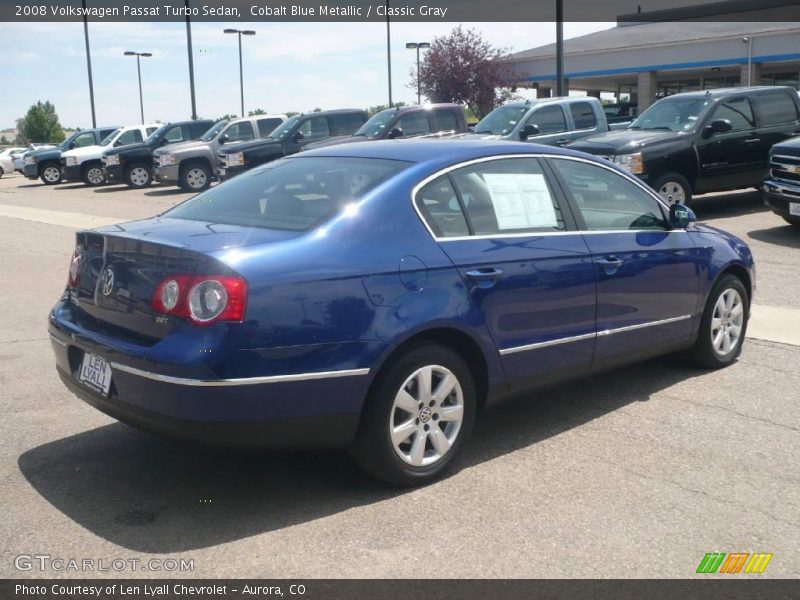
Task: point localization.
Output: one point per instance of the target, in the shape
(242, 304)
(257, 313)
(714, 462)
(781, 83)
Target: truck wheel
(793, 221)
(50, 173)
(673, 188)
(2, 172)
(196, 177)
(93, 175)
(138, 175)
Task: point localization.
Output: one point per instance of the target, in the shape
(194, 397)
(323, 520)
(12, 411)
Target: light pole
(191, 59)
(749, 41)
(559, 48)
(88, 62)
(416, 46)
(240, 32)
(138, 56)
(389, 53)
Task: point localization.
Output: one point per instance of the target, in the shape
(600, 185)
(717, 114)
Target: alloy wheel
(727, 322)
(196, 178)
(673, 193)
(426, 415)
(51, 174)
(139, 176)
(95, 176)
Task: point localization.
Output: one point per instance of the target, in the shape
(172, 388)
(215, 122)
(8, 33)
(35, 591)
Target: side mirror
(394, 133)
(680, 216)
(528, 131)
(163, 142)
(298, 135)
(117, 143)
(224, 138)
(718, 126)
(72, 145)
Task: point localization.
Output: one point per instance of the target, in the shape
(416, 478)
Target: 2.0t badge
(107, 282)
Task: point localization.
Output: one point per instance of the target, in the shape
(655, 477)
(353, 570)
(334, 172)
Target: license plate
(95, 373)
(794, 208)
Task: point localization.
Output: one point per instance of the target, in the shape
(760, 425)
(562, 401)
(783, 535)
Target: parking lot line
(56, 217)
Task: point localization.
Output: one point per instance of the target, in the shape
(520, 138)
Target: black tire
(793, 221)
(190, 180)
(138, 175)
(50, 173)
(92, 174)
(703, 353)
(2, 172)
(671, 181)
(373, 450)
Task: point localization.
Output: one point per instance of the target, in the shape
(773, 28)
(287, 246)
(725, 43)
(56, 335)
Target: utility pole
(191, 60)
(389, 53)
(89, 62)
(559, 47)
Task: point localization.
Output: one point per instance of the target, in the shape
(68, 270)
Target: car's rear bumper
(778, 194)
(316, 409)
(167, 174)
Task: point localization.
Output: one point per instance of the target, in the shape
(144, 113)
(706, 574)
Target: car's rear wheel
(724, 324)
(138, 175)
(196, 177)
(795, 222)
(50, 174)
(673, 188)
(418, 414)
(93, 175)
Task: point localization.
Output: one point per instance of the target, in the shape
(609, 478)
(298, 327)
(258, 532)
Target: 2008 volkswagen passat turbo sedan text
(377, 295)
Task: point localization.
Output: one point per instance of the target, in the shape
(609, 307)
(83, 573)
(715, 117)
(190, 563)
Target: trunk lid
(121, 267)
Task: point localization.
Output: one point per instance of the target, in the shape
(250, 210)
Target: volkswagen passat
(377, 295)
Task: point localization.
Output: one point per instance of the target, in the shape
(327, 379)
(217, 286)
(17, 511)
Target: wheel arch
(187, 162)
(739, 271)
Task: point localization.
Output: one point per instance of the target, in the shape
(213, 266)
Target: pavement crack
(24, 340)
(737, 413)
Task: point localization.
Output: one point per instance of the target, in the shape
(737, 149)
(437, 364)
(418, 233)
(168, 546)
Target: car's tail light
(203, 299)
(74, 279)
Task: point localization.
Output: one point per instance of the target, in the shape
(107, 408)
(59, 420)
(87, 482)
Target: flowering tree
(464, 68)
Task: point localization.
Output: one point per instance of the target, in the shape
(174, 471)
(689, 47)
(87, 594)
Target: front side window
(583, 115)
(549, 119)
(177, 133)
(240, 132)
(608, 201)
(738, 111)
(446, 119)
(315, 128)
(268, 125)
(292, 194)
(414, 123)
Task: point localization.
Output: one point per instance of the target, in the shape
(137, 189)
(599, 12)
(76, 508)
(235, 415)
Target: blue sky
(288, 66)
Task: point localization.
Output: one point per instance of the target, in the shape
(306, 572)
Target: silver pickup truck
(551, 121)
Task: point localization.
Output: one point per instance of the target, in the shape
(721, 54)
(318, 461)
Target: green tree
(40, 124)
(464, 68)
(258, 111)
(4, 141)
(371, 110)
(291, 114)
(228, 117)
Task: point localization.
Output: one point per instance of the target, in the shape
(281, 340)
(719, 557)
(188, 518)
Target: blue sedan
(377, 295)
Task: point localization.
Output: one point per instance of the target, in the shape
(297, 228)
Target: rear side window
(549, 119)
(175, 134)
(240, 132)
(315, 128)
(446, 119)
(414, 123)
(292, 194)
(583, 115)
(439, 205)
(508, 196)
(104, 133)
(347, 123)
(198, 129)
(739, 112)
(776, 108)
(267, 126)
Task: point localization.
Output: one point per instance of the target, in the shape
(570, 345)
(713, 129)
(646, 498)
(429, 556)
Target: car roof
(402, 109)
(430, 150)
(724, 92)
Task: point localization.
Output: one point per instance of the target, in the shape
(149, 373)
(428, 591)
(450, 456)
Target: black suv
(133, 163)
(701, 142)
(406, 122)
(291, 136)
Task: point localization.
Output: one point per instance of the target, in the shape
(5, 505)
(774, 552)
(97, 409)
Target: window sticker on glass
(521, 200)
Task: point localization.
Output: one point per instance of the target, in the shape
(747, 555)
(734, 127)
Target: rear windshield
(293, 194)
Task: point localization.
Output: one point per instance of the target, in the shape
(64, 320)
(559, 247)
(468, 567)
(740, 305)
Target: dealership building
(708, 47)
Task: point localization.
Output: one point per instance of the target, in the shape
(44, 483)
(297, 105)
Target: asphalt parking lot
(636, 473)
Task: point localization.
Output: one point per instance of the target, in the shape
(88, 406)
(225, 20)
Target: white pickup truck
(84, 164)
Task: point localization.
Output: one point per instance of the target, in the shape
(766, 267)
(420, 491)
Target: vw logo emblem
(107, 282)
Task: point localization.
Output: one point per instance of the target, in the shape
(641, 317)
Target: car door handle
(486, 274)
(562, 142)
(752, 141)
(610, 262)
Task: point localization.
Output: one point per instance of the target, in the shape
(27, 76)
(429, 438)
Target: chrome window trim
(241, 381)
(587, 336)
(627, 176)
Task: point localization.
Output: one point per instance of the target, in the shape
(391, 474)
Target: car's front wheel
(196, 177)
(138, 175)
(50, 174)
(93, 175)
(724, 324)
(419, 413)
(673, 188)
